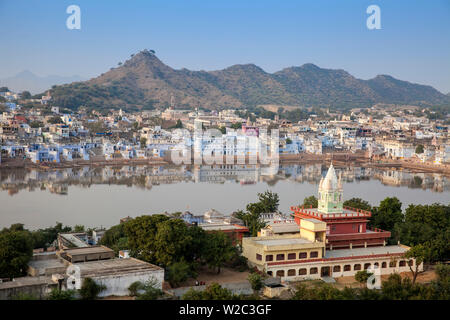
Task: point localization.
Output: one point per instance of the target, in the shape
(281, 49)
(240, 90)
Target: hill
(145, 82)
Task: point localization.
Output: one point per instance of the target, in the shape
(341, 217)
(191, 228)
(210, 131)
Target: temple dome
(330, 182)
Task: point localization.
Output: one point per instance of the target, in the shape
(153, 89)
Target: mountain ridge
(145, 82)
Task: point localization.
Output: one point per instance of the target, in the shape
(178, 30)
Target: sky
(413, 43)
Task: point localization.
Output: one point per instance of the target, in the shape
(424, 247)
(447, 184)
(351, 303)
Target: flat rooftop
(87, 250)
(282, 242)
(115, 266)
(26, 281)
(341, 253)
(219, 227)
(47, 263)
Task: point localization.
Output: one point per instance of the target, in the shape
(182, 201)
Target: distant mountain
(144, 82)
(27, 80)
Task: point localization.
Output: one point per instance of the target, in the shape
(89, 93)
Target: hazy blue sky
(413, 44)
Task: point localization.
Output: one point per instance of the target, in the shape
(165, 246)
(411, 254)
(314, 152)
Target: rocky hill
(144, 82)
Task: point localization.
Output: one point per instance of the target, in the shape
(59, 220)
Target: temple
(345, 226)
(331, 241)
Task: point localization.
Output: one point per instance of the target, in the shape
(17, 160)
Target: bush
(57, 294)
(150, 292)
(90, 289)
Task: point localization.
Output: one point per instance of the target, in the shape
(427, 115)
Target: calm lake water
(97, 197)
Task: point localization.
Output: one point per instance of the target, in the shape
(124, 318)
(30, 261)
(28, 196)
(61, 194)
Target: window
(357, 267)
(313, 271)
(376, 265)
(347, 267)
(258, 257)
(402, 263)
(411, 263)
(269, 273)
(291, 256)
(302, 255)
(314, 254)
(354, 226)
(366, 266)
(384, 265)
(392, 264)
(269, 257)
(291, 272)
(280, 273)
(337, 269)
(280, 256)
(302, 271)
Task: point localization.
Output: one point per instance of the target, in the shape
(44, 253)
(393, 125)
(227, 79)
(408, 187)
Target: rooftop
(282, 242)
(115, 266)
(88, 250)
(341, 253)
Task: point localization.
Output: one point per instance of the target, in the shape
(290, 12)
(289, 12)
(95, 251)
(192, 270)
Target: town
(34, 132)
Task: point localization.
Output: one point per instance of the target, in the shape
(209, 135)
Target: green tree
(212, 292)
(143, 141)
(236, 125)
(90, 289)
(219, 249)
(269, 201)
(16, 250)
(288, 141)
(179, 272)
(419, 149)
(362, 277)
(387, 214)
(311, 201)
(150, 291)
(421, 254)
(358, 203)
(428, 225)
(79, 228)
(26, 95)
(57, 294)
(256, 281)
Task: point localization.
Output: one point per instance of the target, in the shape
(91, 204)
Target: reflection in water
(145, 177)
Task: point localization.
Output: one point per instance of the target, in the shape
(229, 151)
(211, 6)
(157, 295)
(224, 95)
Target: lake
(100, 196)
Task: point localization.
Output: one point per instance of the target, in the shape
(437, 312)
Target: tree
(57, 294)
(16, 250)
(178, 272)
(269, 201)
(421, 254)
(143, 141)
(288, 141)
(90, 289)
(362, 277)
(150, 292)
(78, 228)
(219, 249)
(212, 292)
(158, 239)
(419, 149)
(428, 225)
(387, 214)
(358, 203)
(256, 281)
(251, 219)
(26, 95)
(179, 124)
(236, 125)
(55, 120)
(311, 202)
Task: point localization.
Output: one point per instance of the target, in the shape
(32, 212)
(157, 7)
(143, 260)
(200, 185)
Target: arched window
(366, 266)
(302, 271)
(314, 254)
(402, 263)
(357, 267)
(313, 271)
(411, 262)
(392, 264)
(347, 267)
(269, 273)
(376, 265)
(291, 272)
(280, 256)
(384, 265)
(280, 273)
(337, 269)
(302, 255)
